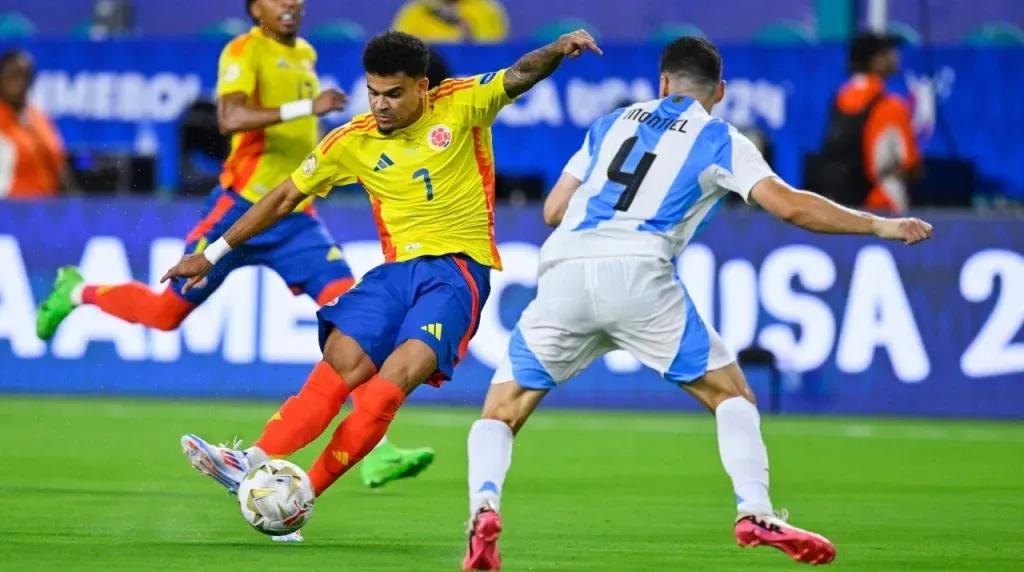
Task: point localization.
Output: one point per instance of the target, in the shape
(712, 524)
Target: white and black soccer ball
(276, 498)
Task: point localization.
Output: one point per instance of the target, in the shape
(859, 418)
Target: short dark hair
(13, 55)
(392, 53)
(248, 11)
(866, 45)
(437, 69)
(692, 57)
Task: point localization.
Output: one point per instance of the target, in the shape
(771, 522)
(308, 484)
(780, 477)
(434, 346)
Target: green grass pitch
(97, 484)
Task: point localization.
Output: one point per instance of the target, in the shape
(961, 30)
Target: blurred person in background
(268, 100)
(453, 21)
(32, 160)
(437, 69)
(870, 154)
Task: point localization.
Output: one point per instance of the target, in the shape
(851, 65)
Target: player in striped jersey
(647, 178)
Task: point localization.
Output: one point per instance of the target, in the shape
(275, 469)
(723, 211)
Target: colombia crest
(439, 137)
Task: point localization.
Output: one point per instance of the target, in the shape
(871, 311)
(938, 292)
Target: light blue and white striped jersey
(652, 174)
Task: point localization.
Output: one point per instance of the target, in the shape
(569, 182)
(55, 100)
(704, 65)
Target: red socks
(358, 433)
(306, 415)
(134, 302)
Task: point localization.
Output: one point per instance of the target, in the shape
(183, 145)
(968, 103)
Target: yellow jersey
(486, 20)
(431, 184)
(270, 74)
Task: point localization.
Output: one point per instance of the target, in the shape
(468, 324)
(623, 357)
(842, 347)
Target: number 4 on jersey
(631, 181)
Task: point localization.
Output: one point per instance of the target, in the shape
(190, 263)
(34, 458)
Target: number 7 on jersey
(425, 175)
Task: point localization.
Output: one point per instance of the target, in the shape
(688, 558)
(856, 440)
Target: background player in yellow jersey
(425, 159)
(268, 99)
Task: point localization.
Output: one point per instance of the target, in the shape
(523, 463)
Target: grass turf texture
(101, 484)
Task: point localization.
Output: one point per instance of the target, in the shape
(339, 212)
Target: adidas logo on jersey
(433, 329)
(383, 163)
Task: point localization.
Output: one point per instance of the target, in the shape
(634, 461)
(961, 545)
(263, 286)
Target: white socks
(744, 455)
(383, 441)
(490, 455)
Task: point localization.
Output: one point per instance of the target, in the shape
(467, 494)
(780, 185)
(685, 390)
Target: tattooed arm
(539, 64)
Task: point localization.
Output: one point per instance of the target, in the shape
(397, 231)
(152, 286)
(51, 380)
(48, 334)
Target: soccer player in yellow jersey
(425, 159)
(268, 99)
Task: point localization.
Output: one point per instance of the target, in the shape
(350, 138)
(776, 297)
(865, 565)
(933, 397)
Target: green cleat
(388, 463)
(57, 304)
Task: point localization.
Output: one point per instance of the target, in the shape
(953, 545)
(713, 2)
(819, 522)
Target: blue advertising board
(870, 327)
(129, 94)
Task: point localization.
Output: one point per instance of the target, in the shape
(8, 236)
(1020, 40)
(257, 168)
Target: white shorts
(588, 307)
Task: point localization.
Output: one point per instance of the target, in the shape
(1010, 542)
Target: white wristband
(217, 250)
(296, 109)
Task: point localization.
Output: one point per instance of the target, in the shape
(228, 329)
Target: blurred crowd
(868, 155)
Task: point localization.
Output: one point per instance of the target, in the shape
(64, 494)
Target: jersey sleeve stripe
(485, 165)
(236, 47)
(361, 127)
(450, 83)
(338, 132)
(445, 91)
(386, 244)
(448, 93)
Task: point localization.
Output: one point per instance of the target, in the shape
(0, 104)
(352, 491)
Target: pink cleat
(482, 553)
(801, 545)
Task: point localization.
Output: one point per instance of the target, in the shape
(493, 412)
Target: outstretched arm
(541, 63)
(276, 205)
(818, 214)
(271, 208)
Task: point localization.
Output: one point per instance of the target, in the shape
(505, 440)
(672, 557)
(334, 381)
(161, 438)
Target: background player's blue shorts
(298, 248)
(433, 299)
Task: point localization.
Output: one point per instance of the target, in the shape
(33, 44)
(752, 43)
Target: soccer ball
(276, 498)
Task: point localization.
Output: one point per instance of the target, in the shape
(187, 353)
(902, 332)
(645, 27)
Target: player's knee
(714, 388)
(508, 412)
(346, 358)
(748, 394)
(719, 385)
(715, 398)
(507, 417)
(410, 365)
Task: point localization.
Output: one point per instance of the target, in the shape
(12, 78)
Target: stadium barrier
(129, 93)
(863, 326)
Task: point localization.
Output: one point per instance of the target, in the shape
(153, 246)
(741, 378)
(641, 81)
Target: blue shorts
(436, 300)
(298, 248)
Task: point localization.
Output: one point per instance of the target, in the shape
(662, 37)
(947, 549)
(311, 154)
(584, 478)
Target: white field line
(632, 422)
(695, 426)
